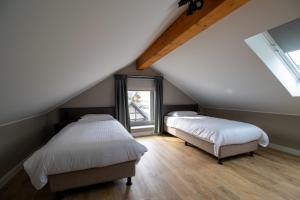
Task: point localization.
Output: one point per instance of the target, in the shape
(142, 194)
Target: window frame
(297, 66)
(150, 122)
(291, 65)
(277, 64)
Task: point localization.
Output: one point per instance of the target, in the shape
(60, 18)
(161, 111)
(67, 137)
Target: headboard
(68, 115)
(170, 108)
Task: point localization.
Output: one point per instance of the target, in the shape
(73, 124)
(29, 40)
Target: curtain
(158, 105)
(121, 101)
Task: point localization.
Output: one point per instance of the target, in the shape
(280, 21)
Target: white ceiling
(52, 50)
(219, 70)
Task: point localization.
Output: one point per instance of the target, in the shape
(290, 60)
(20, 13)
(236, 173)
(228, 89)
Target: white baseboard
(10, 174)
(285, 149)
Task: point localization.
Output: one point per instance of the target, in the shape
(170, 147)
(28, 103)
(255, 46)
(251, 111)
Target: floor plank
(171, 170)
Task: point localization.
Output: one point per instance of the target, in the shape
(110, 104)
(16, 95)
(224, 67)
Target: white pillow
(96, 117)
(182, 113)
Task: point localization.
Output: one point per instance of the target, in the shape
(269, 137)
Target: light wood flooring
(171, 170)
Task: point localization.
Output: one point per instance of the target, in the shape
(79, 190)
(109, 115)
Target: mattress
(218, 131)
(80, 146)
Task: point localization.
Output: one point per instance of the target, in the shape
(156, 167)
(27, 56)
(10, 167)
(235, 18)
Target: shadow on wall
(102, 95)
(19, 140)
(282, 129)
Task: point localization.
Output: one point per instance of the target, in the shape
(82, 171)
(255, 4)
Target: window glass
(140, 107)
(295, 57)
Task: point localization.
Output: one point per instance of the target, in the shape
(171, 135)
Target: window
(141, 106)
(279, 49)
(294, 56)
(290, 59)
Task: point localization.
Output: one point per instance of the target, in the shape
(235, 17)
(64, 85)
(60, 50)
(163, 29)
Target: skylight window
(294, 56)
(279, 49)
(289, 59)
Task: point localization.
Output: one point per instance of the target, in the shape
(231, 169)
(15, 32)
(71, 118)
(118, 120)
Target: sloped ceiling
(219, 70)
(53, 50)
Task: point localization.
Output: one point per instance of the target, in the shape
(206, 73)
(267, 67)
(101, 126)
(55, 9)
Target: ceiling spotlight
(193, 5)
(198, 4)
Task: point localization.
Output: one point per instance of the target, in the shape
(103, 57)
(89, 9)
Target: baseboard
(143, 133)
(10, 174)
(285, 149)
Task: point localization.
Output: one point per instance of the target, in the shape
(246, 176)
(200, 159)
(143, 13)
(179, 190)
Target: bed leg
(220, 161)
(59, 195)
(188, 144)
(128, 183)
(251, 153)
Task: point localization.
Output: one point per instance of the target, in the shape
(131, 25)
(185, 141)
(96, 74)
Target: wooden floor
(171, 170)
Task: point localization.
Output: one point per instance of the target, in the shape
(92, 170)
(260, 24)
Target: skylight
(279, 49)
(295, 58)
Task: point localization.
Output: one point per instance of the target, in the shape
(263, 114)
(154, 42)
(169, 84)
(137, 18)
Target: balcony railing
(136, 113)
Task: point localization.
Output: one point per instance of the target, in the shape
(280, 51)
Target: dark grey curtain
(158, 105)
(121, 100)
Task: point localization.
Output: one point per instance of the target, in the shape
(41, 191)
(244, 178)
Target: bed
(87, 151)
(219, 137)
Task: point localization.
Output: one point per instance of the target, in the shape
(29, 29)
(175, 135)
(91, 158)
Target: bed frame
(76, 179)
(170, 108)
(81, 178)
(224, 152)
(68, 115)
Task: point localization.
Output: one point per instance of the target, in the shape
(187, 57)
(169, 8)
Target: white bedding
(218, 131)
(83, 145)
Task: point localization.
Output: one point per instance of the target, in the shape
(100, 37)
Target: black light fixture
(193, 5)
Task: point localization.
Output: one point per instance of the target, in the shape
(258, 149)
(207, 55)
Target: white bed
(218, 132)
(86, 144)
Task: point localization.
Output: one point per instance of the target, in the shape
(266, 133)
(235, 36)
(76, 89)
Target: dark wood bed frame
(69, 115)
(170, 108)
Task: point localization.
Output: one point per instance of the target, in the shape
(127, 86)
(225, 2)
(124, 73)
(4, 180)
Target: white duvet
(218, 131)
(83, 145)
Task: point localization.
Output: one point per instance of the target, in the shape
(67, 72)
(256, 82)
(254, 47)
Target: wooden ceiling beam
(185, 28)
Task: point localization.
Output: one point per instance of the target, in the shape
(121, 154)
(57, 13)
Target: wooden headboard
(170, 108)
(68, 115)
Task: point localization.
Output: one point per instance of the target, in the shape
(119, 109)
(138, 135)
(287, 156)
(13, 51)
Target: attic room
(161, 99)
